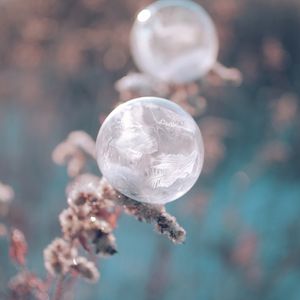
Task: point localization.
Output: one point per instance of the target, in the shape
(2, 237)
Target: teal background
(242, 217)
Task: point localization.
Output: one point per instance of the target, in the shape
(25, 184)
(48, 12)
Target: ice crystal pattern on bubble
(174, 41)
(150, 150)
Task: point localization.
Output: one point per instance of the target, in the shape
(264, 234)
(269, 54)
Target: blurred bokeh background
(59, 61)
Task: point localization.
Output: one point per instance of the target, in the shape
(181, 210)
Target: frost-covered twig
(101, 194)
(93, 210)
(90, 196)
(154, 214)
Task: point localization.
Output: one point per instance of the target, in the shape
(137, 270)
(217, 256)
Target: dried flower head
(108, 192)
(70, 224)
(94, 223)
(26, 285)
(18, 247)
(74, 151)
(58, 257)
(85, 188)
(102, 194)
(92, 200)
(94, 208)
(86, 269)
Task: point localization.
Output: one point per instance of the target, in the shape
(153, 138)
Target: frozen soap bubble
(174, 41)
(150, 150)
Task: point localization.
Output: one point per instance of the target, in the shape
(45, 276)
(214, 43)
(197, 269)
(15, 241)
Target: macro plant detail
(93, 64)
(149, 150)
(174, 43)
(87, 226)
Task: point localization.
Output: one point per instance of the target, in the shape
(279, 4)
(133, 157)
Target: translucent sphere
(174, 41)
(150, 150)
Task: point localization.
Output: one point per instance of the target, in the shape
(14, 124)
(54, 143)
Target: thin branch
(157, 215)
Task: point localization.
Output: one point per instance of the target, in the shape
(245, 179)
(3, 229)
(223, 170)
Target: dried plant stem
(69, 285)
(59, 290)
(154, 214)
(49, 281)
(92, 257)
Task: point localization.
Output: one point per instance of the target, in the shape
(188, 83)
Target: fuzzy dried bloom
(18, 247)
(26, 285)
(85, 188)
(154, 214)
(86, 269)
(6, 196)
(83, 141)
(107, 190)
(70, 224)
(92, 214)
(92, 199)
(58, 257)
(100, 190)
(87, 228)
(74, 151)
(93, 223)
